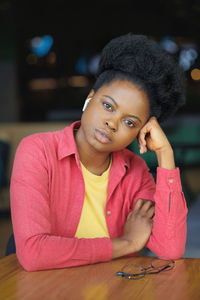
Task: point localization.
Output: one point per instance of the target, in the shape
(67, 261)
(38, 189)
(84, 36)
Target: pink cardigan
(47, 194)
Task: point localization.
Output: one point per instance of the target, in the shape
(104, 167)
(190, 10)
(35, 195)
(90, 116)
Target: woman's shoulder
(40, 138)
(40, 144)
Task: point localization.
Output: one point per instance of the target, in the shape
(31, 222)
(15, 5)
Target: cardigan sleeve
(168, 236)
(36, 247)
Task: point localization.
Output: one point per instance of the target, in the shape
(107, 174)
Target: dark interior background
(52, 87)
(49, 52)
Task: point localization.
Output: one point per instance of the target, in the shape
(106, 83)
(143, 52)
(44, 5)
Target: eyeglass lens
(135, 271)
(158, 266)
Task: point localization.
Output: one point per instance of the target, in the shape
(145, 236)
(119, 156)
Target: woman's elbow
(27, 259)
(173, 253)
(27, 262)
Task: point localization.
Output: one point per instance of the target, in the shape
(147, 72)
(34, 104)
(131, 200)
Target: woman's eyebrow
(113, 100)
(135, 117)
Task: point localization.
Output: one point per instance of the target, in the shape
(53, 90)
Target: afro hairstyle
(144, 63)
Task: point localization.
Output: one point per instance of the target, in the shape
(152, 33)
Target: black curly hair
(141, 61)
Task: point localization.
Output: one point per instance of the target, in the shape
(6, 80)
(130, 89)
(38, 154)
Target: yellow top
(92, 223)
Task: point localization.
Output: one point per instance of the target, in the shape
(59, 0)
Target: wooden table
(98, 282)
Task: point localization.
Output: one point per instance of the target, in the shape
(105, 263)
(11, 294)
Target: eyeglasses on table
(136, 271)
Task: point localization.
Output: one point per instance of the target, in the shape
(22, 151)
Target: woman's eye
(107, 106)
(130, 123)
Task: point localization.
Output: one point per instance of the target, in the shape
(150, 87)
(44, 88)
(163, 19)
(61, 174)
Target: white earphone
(86, 103)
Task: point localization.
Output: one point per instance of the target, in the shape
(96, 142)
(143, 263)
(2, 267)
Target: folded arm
(36, 246)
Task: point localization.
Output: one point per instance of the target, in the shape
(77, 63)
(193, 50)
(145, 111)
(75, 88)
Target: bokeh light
(40, 46)
(195, 74)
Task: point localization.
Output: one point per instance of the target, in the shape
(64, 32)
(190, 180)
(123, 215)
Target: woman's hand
(139, 224)
(152, 137)
(137, 229)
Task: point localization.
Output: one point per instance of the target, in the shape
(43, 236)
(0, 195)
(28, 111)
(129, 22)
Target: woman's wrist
(121, 247)
(165, 157)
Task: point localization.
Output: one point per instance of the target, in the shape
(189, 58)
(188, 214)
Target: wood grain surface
(99, 282)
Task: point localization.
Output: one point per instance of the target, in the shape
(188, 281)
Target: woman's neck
(97, 169)
(96, 162)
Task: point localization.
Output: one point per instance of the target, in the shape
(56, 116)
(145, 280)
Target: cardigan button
(108, 212)
(171, 180)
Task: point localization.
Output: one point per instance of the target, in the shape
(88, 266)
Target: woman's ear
(91, 93)
(89, 97)
(86, 103)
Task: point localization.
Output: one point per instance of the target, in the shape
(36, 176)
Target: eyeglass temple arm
(129, 274)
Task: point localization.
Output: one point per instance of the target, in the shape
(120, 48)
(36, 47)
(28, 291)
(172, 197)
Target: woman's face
(114, 116)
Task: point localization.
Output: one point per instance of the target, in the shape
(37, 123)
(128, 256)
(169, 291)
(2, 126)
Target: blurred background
(49, 54)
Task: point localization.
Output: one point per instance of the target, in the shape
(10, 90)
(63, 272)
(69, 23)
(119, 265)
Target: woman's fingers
(145, 207)
(152, 137)
(142, 141)
(139, 224)
(138, 204)
(147, 204)
(151, 212)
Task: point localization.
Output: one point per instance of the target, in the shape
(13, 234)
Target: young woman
(78, 196)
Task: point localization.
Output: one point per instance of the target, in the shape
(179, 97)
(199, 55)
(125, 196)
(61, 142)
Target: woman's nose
(111, 125)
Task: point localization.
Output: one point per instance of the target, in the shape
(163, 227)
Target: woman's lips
(102, 136)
